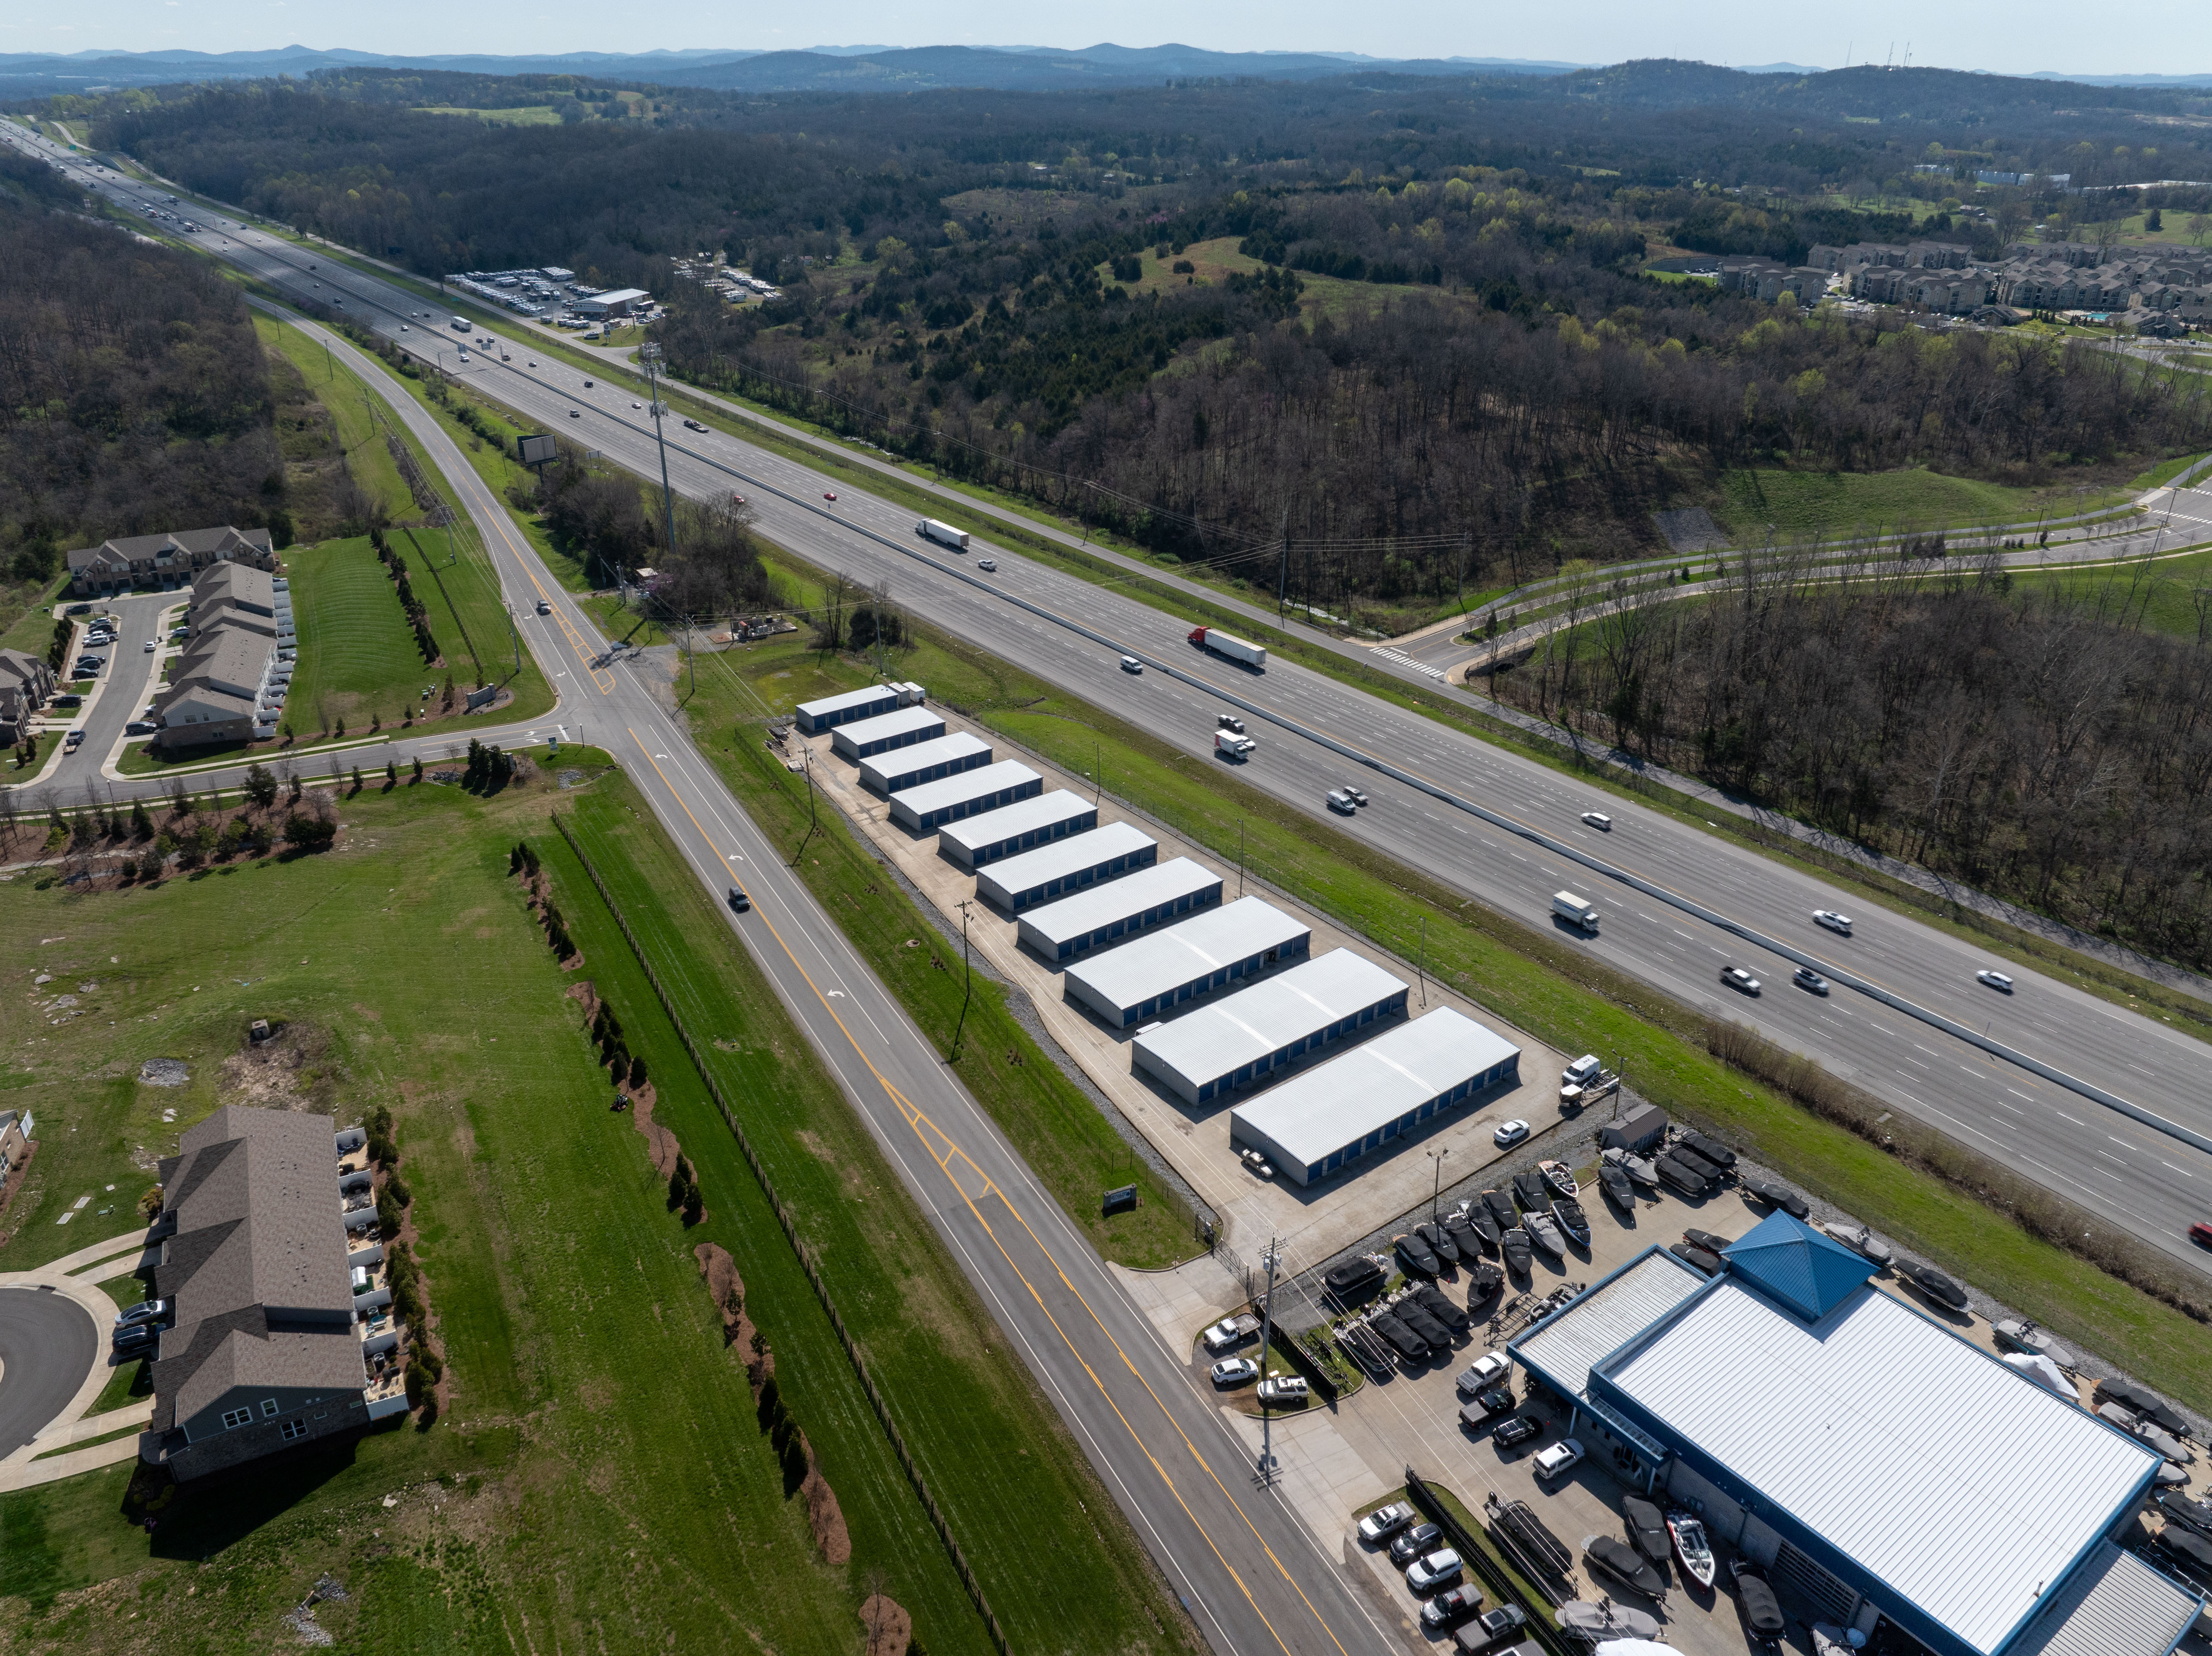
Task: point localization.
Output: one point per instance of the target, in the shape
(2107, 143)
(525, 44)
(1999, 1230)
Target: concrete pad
(1311, 1224)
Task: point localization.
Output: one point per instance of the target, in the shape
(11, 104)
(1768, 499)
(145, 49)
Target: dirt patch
(728, 1291)
(164, 1073)
(891, 1630)
(16, 1175)
(824, 1516)
(661, 1144)
(586, 995)
(286, 1072)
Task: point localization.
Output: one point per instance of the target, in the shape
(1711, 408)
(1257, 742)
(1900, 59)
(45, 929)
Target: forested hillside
(1404, 321)
(133, 396)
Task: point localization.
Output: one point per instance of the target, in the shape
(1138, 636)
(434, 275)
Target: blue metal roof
(1788, 1260)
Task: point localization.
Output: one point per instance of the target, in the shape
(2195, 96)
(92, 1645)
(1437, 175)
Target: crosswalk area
(1399, 658)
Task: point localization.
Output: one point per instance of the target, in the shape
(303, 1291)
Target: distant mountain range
(825, 69)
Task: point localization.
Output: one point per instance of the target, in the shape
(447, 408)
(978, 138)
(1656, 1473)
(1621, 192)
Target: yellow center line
(918, 1121)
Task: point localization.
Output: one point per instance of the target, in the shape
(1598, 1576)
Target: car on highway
(1511, 1434)
(1997, 980)
(573, 415)
(988, 566)
(1739, 980)
(830, 496)
(1555, 1459)
(1342, 802)
(1510, 1133)
(1449, 1610)
(1131, 665)
(146, 1311)
(1284, 1388)
(1413, 1543)
(1833, 921)
(403, 328)
(695, 425)
(544, 608)
(1357, 796)
(1441, 1568)
(1384, 1522)
(2201, 1233)
(1806, 978)
(739, 900)
(1234, 1371)
(1229, 722)
(637, 405)
(1598, 819)
(587, 384)
(1485, 1371)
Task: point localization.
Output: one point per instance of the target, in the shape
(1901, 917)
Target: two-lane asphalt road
(2145, 1181)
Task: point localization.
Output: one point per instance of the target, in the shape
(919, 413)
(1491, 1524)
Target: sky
(2166, 37)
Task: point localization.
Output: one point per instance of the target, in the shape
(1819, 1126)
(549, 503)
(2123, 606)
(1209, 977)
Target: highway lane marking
(923, 1127)
(2184, 1172)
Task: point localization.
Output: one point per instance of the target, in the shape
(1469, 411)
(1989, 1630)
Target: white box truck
(1221, 644)
(944, 534)
(1229, 745)
(1580, 910)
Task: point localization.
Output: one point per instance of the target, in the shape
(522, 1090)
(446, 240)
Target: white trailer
(943, 533)
(1224, 644)
(1579, 910)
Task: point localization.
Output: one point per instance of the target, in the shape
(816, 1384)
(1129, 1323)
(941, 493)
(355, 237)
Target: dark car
(136, 1338)
(1410, 1544)
(1498, 1400)
(1449, 1610)
(1501, 1623)
(739, 900)
(694, 425)
(1521, 1429)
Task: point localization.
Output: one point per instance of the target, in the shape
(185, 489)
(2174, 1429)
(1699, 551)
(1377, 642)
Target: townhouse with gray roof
(152, 563)
(27, 683)
(230, 682)
(266, 1348)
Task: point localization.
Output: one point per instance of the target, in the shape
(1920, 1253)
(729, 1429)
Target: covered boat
(2045, 1373)
(1762, 1611)
(1638, 1168)
(1571, 1219)
(1439, 1244)
(1935, 1285)
(1403, 1340)
(2143, 1401)
(1776, 1195)
(2192, 1514)
(1545, 1234)
(1502, 1213)
(1517, 1255)
(1711, 1264)
(1692, 1550)
(1596, 1623)
(1614, 1181)
(1647, 1528)
(1434, 1300)
(1352, 1276)
(1711, 1149)
(1419, 1258)
(1529, 1189)
(1463, 1237)
(1621, 1562)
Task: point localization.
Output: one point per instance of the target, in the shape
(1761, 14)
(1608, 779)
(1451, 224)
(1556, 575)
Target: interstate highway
(2142, 1179)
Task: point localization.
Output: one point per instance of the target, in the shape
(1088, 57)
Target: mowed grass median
(600, 1479)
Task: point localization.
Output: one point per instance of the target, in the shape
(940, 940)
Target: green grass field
(359, 433)
(1846, 502)
(357, 655)
(527, 115)
(600, 1480)
(1527, 979)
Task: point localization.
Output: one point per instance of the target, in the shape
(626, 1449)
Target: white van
(1581, 1073)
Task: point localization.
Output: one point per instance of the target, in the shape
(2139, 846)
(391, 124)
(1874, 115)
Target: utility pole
(1283, 572)
(1271, 1259)
(967, 987)
(806, 764)
(1436, 1195)
(1098, 773)
(1421, 970)
(649, 353)
(1240, 856)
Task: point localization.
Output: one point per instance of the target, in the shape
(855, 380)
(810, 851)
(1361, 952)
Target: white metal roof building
(864, 738)
(1187, 960)
(1230, 1043)
(1120, 908)
(1017, 827)
(1382, 1089)
(816, 717)
(1067, 866)
(971, 793)
(925, 762)
(1876, 1463)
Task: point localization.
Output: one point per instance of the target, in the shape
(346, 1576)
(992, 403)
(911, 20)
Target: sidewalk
(76, 1276)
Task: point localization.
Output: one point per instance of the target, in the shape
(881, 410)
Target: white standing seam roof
(971, 833)
(1225, 1036)
(879, 771)
(862, 731)
(1004, 880)
(985, 780)
(1319, 1111)
(830, 706)
(1967, 1493)
(1117, 899)
(1131, 973)
(1565, 1348)
(2115, 1605)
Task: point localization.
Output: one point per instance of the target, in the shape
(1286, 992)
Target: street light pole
(1436, 1195)
(649, 353)
(1272, 1258)
(967, 984)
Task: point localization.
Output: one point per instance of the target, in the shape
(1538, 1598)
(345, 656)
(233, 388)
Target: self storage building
(1067, 866)
(1384, 1088)
(1229, 1043)
(1878, 1465)
(1017, 827)
(970, 793)
(1186, 961)
(926, 762)
(829, 712)
(867, 738)
(1120, 908)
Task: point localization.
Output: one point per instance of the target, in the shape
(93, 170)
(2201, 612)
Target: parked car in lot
(1384, 1522)
(1511, 1434)
(1234, 1371)
(137, 1337)
(1449, 1610)
(1485, 1371)
(1997, 980)
(1230, 1332)
(1737, 979)
(1284, 1388)
(146, 1311)
(1486, 1406)
(1555, 1459)
(1806, 978)
(1441, 1568)
(1414, 1541)
(1837, 923)
(140, 727)
(1505, 1623)
(1510, 1133)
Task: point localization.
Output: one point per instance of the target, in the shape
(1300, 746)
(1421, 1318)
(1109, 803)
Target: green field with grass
(357, 656)
(526, 115)
(1528, 979)
(1915, 499)
(360, 431)
(600, 1479)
